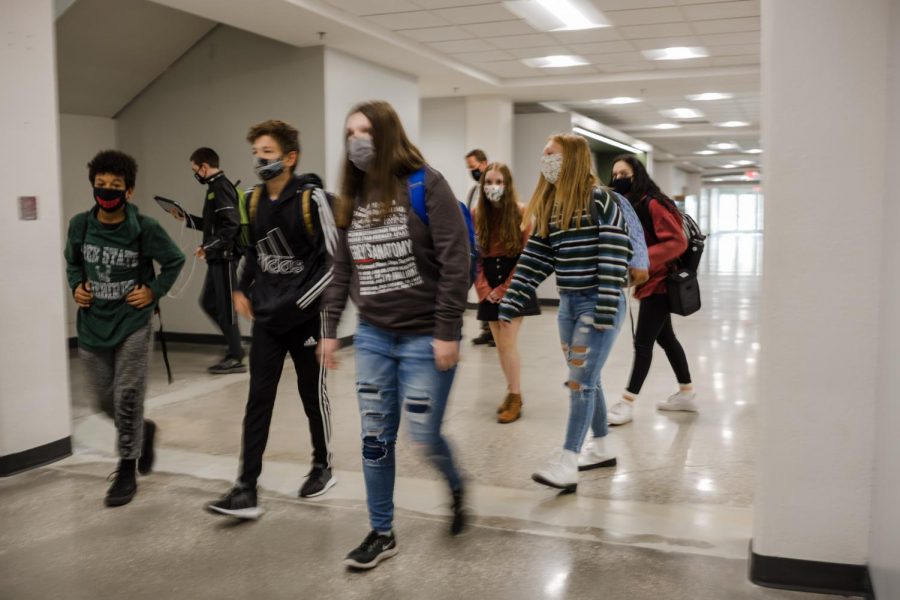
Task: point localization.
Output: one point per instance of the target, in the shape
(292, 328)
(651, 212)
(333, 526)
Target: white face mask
(551, 164)
(494, 193)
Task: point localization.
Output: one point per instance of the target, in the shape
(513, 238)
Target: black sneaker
(240, 502)
(318, 481)
(485, 338)
(124, 485)
(148, 455)
(460, 518)
(374, 549)
(229, 365)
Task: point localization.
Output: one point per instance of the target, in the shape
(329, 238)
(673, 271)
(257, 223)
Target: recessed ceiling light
(667, 126)
(723, 146)
(682, 113)
(706, 152)
(676, 53)
(556, 61)
(718, 179)
(733, 124)
(744, 163)
(753, 151)
(558, 15)
(707, 96)
(729, 166)
(617, 100)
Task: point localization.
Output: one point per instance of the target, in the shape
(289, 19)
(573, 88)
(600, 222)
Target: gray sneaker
(229, 365)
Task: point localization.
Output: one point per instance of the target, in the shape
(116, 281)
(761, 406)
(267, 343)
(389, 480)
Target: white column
(489, 126)
(664, 176)
(824, 104)
(35, 419)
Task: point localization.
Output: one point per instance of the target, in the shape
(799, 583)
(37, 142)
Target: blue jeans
(394, 370)
(586, 350)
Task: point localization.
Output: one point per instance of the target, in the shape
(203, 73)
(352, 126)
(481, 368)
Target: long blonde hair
(502, 221)
(561, 202)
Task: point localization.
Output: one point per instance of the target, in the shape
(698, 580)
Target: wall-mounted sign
(28, 208)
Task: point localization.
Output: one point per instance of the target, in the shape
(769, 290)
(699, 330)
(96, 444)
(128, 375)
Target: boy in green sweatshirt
(110, 251)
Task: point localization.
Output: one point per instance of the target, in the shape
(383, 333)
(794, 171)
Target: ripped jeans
(395, 371)
(586, 350)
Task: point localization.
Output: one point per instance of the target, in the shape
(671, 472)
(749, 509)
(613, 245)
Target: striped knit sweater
(592, 257)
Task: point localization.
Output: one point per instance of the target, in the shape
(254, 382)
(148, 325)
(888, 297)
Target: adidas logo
(310, 342)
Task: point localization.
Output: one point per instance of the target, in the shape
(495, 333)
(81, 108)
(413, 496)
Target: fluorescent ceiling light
(556, 61)
(682, 113)
(723, 146)
(753, 151)
(729, 166)
(617, 100)
(676, 53)
(707, 96)
(706, 152)
(667, 126)
(733, 124)
(558, 15)
(605, 140)
(744, 163)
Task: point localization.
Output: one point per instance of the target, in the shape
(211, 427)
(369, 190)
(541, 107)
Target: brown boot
(504, 405)
(513, 409)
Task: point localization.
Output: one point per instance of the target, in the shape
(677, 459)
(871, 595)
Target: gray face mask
(267, 168)
(361, 152)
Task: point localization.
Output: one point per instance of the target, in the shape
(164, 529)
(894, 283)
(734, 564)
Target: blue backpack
(416, 183)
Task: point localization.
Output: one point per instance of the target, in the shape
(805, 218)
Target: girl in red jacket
(665, 243)
(501, 237)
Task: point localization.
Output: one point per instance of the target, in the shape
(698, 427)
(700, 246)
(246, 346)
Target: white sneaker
(620, 413)
(597, 453)
(680, 401)
(561, 472)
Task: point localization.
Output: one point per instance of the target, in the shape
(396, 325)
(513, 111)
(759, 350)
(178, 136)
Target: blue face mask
(267, 168)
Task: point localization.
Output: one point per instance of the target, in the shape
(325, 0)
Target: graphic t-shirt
(382, 252)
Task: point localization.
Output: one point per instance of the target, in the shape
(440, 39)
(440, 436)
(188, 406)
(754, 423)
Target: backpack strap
(253, 204)
(416, 186)
(306, 210)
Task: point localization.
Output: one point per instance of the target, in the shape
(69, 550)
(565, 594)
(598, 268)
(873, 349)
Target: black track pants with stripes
(267, 355)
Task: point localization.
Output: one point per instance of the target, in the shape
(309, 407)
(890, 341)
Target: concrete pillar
(823, 276)
(489, 126)
(664, 176)
(35, 422)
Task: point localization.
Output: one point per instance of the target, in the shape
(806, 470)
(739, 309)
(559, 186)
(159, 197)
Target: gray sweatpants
(117, 378)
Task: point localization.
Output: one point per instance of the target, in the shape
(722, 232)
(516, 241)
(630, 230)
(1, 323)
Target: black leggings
(655, 325)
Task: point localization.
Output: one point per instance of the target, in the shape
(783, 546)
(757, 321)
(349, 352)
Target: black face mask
(622, 185)
(109, 200)
(200, 180)
(476, 174)
(267, 169)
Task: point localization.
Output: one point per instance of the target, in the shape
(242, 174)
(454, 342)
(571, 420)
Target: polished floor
(673, 520)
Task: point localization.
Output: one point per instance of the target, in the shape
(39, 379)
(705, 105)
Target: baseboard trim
(810, 576)
(35, 457)
(205, 338)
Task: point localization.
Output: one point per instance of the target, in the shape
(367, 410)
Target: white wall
(210, 97)
(34, 390)
(349, 81)
(885, 530)
(489, 126)
(530, 133)
(443, 140)
(664, 175)
(818, 369)
(80, 138)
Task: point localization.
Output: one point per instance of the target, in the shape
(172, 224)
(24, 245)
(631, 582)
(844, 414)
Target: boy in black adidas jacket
(287, 267)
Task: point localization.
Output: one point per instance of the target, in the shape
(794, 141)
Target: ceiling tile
(726, 39)
(735, 50)
(437, 34)
(588, 36)
(602, 47)
(498, 28)
(523, 41)
(628, 4)
(408, 20)
(374, 7)
(730, 61)
(465, 15)
(482, 57)
(617, 58)
(666, 42)
(662, 30)
(509, 68)
(646, 16)
(721, 10)
(537, 52)
(432, 4)
(683, 64)
(457, 46)
(726, 25)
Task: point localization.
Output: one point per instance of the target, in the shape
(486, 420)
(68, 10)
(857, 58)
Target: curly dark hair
(285, 134)
(113, 162)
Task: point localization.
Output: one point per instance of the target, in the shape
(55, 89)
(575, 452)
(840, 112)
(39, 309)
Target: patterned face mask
(494, 193)
(551, 164)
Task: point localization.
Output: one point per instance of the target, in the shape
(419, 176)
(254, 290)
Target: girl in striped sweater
(589, 249)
